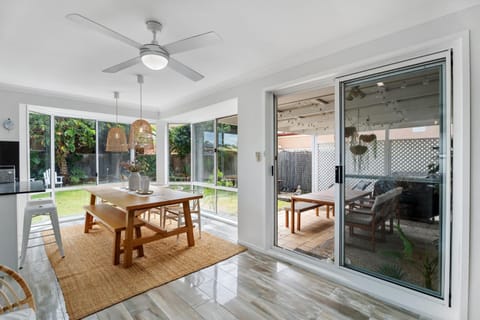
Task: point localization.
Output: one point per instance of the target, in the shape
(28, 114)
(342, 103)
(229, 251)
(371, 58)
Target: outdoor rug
(322, 251)
(91, 283)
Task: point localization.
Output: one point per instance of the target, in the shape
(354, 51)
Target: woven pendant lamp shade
(116, 138)
(141, 138)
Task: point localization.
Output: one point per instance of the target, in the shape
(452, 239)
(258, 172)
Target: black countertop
(21, 187)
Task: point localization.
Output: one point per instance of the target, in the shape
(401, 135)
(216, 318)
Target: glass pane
(395, 187)
(203, 151)
(71, 202)
(179, 145)
(305, 168)
(147, 158)
(227, 149)
(109, 168)
(75, 159)
(227, 204)
(39, 125)
(208, 202)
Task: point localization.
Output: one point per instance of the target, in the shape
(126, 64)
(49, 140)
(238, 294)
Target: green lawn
(69, 202)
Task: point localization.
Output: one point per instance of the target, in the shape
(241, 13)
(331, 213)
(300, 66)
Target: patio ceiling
(403, 101)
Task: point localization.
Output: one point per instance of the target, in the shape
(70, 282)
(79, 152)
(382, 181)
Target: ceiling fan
(153, 55)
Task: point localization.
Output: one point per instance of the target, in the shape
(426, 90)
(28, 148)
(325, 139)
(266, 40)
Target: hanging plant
(350, 131)
(368, 137)
(358, 149)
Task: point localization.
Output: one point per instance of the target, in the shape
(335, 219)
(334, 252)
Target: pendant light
(116, 138)
(141, 138)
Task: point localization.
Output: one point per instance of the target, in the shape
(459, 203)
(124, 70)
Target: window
(209, 156)
(73, 156)
(204, 151)
(179, 144)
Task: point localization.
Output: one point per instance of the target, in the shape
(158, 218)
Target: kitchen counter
(21, 187)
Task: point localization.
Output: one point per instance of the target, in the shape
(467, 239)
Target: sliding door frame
(446, 214)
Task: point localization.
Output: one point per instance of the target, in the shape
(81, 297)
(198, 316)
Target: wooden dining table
(324, 197)
(133, 204)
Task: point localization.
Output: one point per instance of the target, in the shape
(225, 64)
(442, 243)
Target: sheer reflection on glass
(109, 168)
(394, 136)
(203, 151)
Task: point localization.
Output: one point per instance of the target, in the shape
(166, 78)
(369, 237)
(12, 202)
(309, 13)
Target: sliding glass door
(396, 155)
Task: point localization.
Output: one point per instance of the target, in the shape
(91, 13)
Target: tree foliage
(179, 140)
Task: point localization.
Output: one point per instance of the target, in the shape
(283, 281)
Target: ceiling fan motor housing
(153, 25)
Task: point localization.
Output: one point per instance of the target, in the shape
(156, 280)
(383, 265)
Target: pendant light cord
(140, 82)
(141, 102)
(116, 95)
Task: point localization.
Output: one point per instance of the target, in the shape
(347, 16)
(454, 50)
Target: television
(10, 156)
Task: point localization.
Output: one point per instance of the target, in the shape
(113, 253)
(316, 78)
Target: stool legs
(27, 224)
(37, 208)
(56, 231)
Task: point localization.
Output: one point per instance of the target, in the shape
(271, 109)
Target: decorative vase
(134, 181)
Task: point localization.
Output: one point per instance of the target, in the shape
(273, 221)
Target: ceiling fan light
(154, 61)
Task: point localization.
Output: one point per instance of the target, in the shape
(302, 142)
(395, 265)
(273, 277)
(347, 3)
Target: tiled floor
(247, 286)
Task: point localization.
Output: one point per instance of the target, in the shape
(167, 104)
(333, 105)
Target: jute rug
(91, 283)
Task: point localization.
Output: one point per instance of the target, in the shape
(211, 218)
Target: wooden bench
(299, 208)
(114, 219)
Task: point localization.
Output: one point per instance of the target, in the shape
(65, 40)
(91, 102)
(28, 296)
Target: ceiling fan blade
(123, 65)
(102, 29)
(184, 70)
(195, 42)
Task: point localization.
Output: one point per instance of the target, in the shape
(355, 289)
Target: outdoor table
(324, 197)
(132, 202)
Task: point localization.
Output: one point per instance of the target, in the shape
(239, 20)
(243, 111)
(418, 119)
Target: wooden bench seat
(113, 219)
(299, 208)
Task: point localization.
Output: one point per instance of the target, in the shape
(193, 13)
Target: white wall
(254, 177)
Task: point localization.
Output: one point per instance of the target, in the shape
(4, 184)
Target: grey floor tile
(247, 286)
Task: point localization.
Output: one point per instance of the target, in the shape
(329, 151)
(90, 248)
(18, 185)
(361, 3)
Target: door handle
(338, 174)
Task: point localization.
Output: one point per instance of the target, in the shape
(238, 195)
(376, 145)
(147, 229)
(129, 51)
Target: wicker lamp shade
(141, 137)
(116, 140)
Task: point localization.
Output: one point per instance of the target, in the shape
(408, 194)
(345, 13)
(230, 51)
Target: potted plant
(134, 167)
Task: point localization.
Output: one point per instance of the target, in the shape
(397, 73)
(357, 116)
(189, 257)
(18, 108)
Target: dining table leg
(188, 223)
(128, 242)
(88, 216)
(292, 218)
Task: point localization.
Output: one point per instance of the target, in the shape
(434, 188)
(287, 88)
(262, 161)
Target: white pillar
(162, 152)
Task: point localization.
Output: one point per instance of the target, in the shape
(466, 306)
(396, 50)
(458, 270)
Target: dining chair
(16, 298)
(176, 213)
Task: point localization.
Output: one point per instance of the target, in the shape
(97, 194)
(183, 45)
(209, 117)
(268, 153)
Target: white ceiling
(41, 49)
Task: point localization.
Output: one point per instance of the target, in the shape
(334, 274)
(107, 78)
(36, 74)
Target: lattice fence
(413, 155)
(408, 156)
